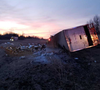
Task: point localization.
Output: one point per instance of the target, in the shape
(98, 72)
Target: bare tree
(96, 22)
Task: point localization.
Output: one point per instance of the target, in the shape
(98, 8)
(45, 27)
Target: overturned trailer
(76, 39)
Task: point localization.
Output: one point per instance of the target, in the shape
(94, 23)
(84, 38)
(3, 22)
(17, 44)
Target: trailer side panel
(77, 39)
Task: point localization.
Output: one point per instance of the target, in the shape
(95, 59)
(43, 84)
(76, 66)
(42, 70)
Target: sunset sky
(45, 17)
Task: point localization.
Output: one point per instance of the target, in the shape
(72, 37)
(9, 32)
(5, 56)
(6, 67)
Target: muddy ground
(54, 71)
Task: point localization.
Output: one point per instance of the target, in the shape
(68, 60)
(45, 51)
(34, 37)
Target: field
(50, 69)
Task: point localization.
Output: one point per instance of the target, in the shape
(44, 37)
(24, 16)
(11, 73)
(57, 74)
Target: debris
(43, 46)
(22, 57)
(38, 53)
(6, 55)
(11, 43)
(12, 49)
(30, 46)
(76, 58)
(44, 54)
(47, 54)
(36, 47)
(23, 47)
(51, 53)
(8, 42)
(41, 59)
(95, 61)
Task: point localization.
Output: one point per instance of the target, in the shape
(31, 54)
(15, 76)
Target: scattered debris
(39, 51)
(12, 49)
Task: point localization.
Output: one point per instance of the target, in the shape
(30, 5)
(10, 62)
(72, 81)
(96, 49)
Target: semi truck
(75, 39)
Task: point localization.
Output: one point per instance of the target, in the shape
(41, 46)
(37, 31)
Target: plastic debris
(8, 42)
(30, 46)
(23, 47)
(44, 54)
(22, 57)
(76, 58)
(6, 55)
(95, 61)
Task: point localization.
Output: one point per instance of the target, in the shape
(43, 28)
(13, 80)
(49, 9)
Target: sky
(45, 17)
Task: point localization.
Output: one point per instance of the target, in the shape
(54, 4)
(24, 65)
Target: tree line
(22, 37)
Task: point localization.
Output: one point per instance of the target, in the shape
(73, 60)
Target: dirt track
(62, 73)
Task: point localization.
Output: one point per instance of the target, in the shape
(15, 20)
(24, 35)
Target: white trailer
(77, 38)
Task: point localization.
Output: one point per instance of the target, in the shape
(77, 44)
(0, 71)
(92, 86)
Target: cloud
(44, 17)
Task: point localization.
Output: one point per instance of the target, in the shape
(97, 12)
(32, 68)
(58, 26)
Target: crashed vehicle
(75, 39)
